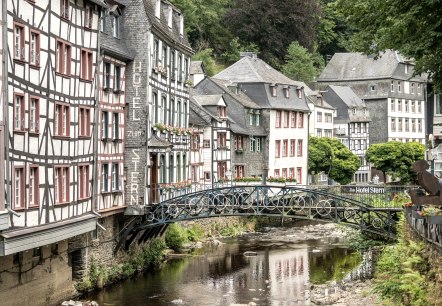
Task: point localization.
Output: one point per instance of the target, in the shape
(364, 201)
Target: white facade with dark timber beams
(157, 134)
(50, 96)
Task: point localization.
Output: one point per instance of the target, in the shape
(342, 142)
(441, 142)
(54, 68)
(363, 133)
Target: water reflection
(223, 276)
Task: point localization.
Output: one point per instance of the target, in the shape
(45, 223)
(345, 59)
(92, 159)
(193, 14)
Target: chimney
(250, 54)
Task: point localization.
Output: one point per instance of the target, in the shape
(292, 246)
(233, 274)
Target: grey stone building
(394, 96)
(157, 140)
(246, 124)
(351, 125)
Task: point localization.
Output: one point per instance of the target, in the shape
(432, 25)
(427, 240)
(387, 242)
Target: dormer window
(299, 92)
(412, 88)
(181, 24)
(287, 92)
(158, 9)
(169, 17)
(222, 112)
(116, 26)
(273, 89)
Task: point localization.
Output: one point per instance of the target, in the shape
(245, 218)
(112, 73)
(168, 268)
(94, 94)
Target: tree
(332, 157)
(273, 24)
(207, 58)
(300, 64)
(396, 158)
(409, 26)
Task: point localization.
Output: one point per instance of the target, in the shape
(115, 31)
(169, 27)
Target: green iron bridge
(371, 208)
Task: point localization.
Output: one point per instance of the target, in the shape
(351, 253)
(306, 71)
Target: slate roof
(115, 47)
(358, 66)
(238, 105)
(207, 100)
(99, 2)
(315, 97)
(196, 67)
(348, 96)
(161, 26)
(197, 115)
(251, 69)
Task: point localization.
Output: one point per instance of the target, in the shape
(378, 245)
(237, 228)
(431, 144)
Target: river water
(283, 265)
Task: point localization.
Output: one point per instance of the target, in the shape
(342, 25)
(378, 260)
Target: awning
(18, 240)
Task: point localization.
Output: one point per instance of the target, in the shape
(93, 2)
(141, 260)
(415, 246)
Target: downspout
(96, 118)
(8, 186)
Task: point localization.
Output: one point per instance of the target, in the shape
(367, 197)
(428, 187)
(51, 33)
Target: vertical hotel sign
(3, 31)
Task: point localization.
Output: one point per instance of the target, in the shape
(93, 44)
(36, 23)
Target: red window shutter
(68, 121)
(68, 60)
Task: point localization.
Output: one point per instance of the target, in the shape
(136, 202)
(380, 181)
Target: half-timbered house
(157, 136)
(4, 216)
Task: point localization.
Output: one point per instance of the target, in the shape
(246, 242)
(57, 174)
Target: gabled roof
(238, 95)
(197, 67)
(318, 100)
(358, 66)
(347, 95)
(208, 100)
(197, 115)
(162, 28)
(251, 69)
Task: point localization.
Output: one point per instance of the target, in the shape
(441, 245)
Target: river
(283, 265)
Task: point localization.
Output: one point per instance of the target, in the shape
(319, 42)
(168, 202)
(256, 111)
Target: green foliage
(232, 54)
(400, 276)
(273, 24)
(195, 233)
(396, 158)
(247, 179)
(206, 56)
(299, 64)
(175, 236)
(331, 156)
(151, 255)
(360, 241)
(412, 27)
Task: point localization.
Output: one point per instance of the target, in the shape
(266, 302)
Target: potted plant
(432, 214)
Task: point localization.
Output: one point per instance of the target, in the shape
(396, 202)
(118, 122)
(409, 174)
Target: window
(278, 148)
(86, 65)
(19, 188)
(287, 92)
(319, 117)
(255, 144)
(299, 174)
(419, 107)
(116, 177)
(172, 64)
(206, 143)
(33, 186)
(299, 149)
(419, 125)
(400, 125)
(107, 75)
(163, 110)
(393, 124)
(64, 9)
(104, 124)
(88, 17)
(292, 147)
(328, 118)
(392, 105)
(116, 26)
(293, 119)
(412, 88)
(277, 173)
(292, 172)
(105, 178)
(372, 87)
(164, 56)
(222, 140)
(222, 112)
(407, 107)
(239, 144)
(399, 89)
(171, 167)
(399, 105)
(301, 120)
(239, 171)
(419, 89)
(179, 114)
(117, 79)
(83, 179)
(319, 133)
(195, 142)
(392, 86)
(61, 120)
(284, 172)
(156, 57)
(180, 68)
(19, 112)
(63, 53)
(278, 119)
(84, 122)
(115, 126)
(34, 114)
(299, 91)
(413, 125)
(34, 48)
(19, 42)
(222, 168)
(285, 145)
(207, 176)
(273, 89)
(61, 184)
(102, 19)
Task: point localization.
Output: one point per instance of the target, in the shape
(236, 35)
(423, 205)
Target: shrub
(175, 236)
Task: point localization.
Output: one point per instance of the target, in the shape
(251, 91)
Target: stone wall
(44, 274)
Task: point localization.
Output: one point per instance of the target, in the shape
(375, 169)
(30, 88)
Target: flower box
(417, 215)
(434, 219)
